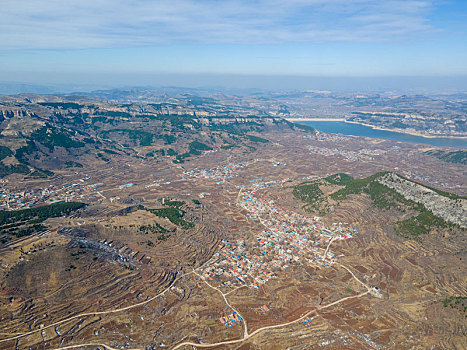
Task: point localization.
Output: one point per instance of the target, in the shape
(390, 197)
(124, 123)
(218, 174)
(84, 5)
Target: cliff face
(52, 133)
(453, 210)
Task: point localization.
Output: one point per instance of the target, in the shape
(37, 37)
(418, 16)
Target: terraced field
(181, 247)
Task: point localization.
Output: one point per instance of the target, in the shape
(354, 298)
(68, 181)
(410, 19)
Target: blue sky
(55, 41)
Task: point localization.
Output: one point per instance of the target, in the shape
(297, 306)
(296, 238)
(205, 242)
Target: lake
(344, 128)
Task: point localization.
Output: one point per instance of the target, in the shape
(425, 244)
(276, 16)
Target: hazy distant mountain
(13, 88)
(8, 88)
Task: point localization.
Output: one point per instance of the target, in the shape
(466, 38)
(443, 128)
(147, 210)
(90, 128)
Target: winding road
(245, 336)
(245, 327)
(248, 336)
(98, 312)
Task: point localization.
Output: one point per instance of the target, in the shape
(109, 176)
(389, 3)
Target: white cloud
(81, 24)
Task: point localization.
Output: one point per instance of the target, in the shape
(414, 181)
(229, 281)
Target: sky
(190, 42)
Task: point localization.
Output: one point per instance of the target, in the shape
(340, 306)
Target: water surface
(362, 130)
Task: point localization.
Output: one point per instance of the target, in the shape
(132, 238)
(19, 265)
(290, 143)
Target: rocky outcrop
(453, 210)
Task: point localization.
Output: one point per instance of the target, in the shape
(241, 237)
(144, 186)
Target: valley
(186, 222)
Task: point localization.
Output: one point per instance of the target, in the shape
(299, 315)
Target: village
(14, 200)
(218, 173)
(289, 238)
(223, 173)
(349, 156)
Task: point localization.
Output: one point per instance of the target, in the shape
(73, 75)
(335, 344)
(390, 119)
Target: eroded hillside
(187, 223)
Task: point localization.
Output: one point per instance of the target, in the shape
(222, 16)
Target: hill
(44, 133)
(432, 208)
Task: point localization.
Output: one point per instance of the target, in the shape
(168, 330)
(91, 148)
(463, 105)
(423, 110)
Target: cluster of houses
(225, 172)
(12, 200)
(233, 266)
(289, 237)
(350, 156)
(218, 173)
(232, 319)
(261, 309)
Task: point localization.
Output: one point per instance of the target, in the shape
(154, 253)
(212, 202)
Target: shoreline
(400, 131)
(413, 133)
(315, 119)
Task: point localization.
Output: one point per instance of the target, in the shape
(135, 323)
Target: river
(344, 128)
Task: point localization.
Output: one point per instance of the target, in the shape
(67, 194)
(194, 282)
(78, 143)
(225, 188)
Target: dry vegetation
(120, 271)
